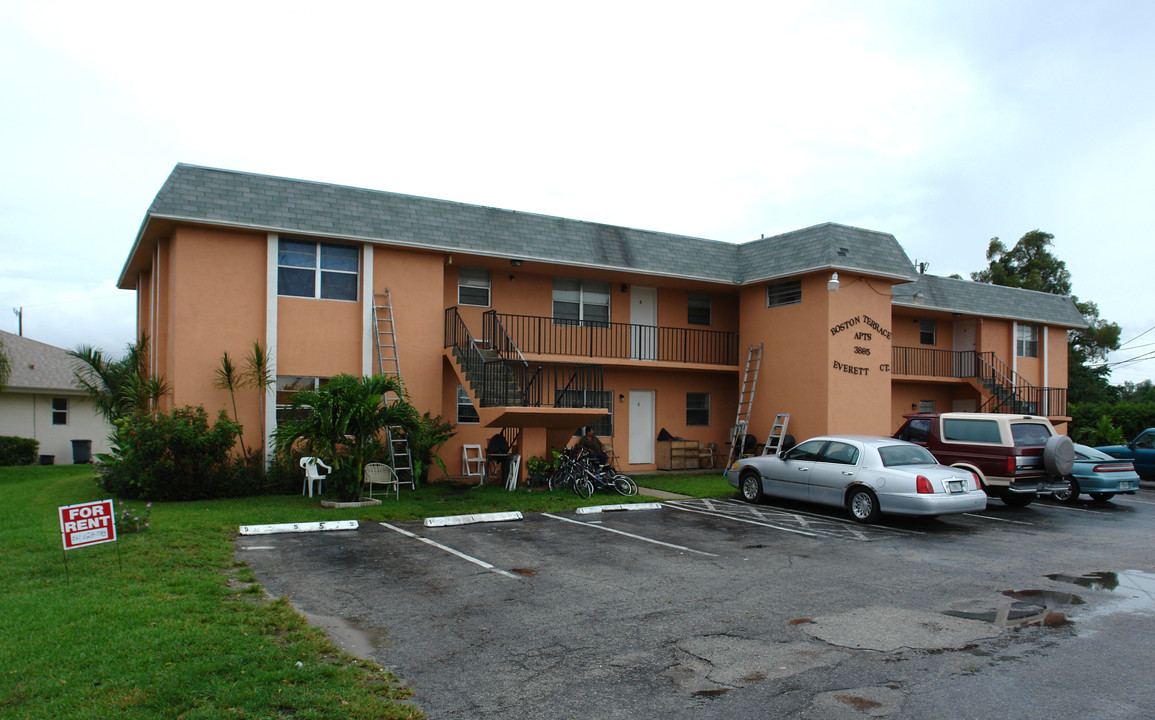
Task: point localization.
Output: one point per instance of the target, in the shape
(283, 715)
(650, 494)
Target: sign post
(84, 524)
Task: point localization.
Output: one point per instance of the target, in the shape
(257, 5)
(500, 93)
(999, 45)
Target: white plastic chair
(472, 462)
(313, 475)
(382, 474)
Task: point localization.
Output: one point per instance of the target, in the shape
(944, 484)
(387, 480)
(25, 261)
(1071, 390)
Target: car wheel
(1102, 497)
(1017, 500)
(1071, 494)
(863, 505)
(751, 487)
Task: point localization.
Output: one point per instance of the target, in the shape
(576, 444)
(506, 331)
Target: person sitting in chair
(592, 445)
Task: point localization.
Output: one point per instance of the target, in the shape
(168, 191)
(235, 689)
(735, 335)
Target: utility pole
(19, 312)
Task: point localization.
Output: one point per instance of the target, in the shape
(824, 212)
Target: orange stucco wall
(858, 356)
(214, 307)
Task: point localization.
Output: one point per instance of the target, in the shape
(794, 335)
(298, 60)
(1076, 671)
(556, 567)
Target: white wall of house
(30, 415)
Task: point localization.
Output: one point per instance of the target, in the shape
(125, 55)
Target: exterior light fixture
(832, 284)
(515, 263)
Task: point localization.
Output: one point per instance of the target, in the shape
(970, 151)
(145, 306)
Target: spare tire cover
(1059, 455)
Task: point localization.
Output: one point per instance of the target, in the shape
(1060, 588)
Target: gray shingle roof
(37, 366)
(272, 204)
(983, 299)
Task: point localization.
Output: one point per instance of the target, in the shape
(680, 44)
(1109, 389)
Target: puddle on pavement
(1133, 590)
(710, 694)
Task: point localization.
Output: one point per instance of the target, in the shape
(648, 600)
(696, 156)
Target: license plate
(955, 486)
(1124, 486)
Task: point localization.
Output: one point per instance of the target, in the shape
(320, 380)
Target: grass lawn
(166, 624)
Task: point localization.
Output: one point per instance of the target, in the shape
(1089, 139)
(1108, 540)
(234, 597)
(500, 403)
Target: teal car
(1099, 475)
(1140, 451)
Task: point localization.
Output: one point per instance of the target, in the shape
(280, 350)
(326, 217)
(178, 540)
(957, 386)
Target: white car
(864, 474)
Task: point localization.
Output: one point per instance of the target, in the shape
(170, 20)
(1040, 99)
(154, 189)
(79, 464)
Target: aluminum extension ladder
(745, 404)
(389, 363)
(777, 432)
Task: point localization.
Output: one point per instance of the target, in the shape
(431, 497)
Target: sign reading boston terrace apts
(867, 334)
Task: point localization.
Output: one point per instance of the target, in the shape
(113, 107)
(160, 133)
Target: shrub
(174, 456)
(18, 450)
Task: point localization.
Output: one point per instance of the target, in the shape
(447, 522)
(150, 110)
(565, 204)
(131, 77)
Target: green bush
(18, 450)
(174, 456)
(1130, 418)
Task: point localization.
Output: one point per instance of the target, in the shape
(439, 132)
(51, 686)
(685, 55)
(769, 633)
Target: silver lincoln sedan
(866, 475)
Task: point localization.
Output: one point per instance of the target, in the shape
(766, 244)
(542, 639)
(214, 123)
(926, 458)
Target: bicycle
(591, 477)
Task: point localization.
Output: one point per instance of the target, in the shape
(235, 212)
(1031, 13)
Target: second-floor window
(784, 293)
(926, 331)
(1027, 340)
(317, 270)
(581, 302)
(698, 309)
(473, 287)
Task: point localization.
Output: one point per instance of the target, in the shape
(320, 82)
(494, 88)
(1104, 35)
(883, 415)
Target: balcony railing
(1009, 392)
(538, 335)
(502, 378)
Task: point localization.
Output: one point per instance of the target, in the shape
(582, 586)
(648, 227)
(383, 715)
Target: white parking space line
(1074, 509)
(629, 535)
(800, 517)
(451, 551)
(747, 520)
(992, 517)
(1130, 501)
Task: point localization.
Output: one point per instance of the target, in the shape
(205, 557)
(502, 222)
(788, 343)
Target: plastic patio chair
(381, 474)
(313, 474)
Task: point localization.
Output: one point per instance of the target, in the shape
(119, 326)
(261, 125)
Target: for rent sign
(87, 524)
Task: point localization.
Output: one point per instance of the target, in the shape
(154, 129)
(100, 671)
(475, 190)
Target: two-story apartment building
(501, 319)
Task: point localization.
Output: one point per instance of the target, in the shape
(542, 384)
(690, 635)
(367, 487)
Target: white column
(271, 342)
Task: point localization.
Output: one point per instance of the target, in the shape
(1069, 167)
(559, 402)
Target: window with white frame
(324, 271)
(603, 426)
(698, 309)
(466, 413)
(784, 293)
(926, 334)
(926, 406)
(581, 302)
(697, 408)
(290, 385)
(473, 287)
(59, 411)
(1027, 340)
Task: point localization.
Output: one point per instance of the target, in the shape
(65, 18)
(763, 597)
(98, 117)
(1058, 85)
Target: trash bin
(47, 459)
(81, 452)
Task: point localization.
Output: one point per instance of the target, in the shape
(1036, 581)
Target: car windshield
(1030, 434)
(895, 455)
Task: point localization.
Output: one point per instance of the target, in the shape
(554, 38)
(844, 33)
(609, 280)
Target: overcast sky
(944, 123)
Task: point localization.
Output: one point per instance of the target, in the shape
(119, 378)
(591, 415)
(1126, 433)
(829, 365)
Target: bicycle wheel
(583, 487)
(559, 479)
(625, 485)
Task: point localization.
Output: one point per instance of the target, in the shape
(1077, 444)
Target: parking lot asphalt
(718, 608)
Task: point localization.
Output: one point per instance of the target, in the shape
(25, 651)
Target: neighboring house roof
(194, 194)
(38, 367)
(986, 300)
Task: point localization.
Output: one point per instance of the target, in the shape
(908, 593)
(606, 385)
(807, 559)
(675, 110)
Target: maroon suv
(1016, 457)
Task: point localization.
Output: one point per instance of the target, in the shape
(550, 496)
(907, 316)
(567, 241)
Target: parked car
(1016, 457)
(1099, 475)
(1140, 451)
(866, 475)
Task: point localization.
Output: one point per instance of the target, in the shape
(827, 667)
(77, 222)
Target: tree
(340, 422)
(5, 367)
(1031, 266)
(119, 388)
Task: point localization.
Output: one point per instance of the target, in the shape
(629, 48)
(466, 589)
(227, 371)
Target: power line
(1122, 345)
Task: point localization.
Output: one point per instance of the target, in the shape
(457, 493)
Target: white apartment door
(643, 323)
(642, 433)
(964, 345)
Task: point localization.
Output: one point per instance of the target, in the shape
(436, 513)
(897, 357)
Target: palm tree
(258, 373)
(229, 378)
(119, 388)
(340, 422)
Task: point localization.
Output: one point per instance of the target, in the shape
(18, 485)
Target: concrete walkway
(660, 494)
